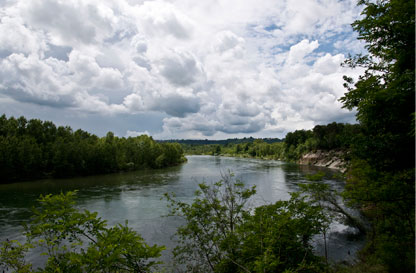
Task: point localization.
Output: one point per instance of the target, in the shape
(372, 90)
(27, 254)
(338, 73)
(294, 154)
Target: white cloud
(69, 22)
(180, 69)
(136, 134)
(299, 51)
(162, 18)
(33, 80)
(17, 38)
(215, 68)
(227, 40)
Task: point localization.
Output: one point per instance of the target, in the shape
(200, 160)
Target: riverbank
(333, 159)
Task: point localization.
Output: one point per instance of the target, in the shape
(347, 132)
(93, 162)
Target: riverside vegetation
(330, 137)
(381, 178)
(33, 149)
(224, 237)
(220, 233)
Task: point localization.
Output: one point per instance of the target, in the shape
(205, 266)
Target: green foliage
(120, 249)
(12, 255)
(368, 266)
(209, 237)
(335, 135)
(77, 241)
(381, 177)
(316, 176)
(35, 149)
(384, 95)
(277, 237)
(222, 234)
(297, 137)
(217, 150)
(248, 149)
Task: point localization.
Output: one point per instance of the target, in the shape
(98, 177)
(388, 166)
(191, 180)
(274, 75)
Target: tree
(381, 177)
(216, 150)
(37, 149)
(209, 238)
(77, 241)
(277, 237)
(297, 137)
(223, 234)
(384, 95)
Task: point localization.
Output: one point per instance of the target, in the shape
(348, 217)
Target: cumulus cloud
(176, 105)
(226, 41)
(201, 70)
(17, 38)
(299, 51)
(69, 22)
(163, 18)
(180, 69)
(28, 79)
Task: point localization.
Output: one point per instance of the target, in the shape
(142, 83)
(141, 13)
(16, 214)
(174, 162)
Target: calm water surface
(138, 197)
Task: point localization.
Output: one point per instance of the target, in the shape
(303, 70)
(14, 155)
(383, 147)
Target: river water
(138, 197)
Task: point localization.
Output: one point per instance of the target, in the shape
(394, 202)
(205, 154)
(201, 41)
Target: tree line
(333, 136)
(221, 141)
(33, 149)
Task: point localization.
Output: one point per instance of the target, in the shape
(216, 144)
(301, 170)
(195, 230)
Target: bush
(77, 241)
(222, 234)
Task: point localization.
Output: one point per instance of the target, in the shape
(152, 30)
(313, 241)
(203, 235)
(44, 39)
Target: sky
(174, 69)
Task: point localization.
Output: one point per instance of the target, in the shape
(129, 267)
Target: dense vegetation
(382, 173)
(333, 136)
(36, 149)
(256, 147)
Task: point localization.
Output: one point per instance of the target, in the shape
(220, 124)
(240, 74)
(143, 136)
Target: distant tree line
(221, 141)
(334, 136)
(33, 149)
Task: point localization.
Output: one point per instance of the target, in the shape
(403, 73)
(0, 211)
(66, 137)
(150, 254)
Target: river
(138, 197)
